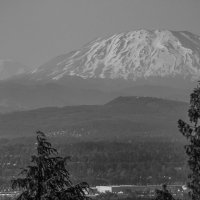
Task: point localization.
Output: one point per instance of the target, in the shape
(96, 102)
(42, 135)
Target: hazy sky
(34, 31)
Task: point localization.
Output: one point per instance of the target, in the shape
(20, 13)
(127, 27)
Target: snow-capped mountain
(130, 56)
(9, 68)
(157, 63)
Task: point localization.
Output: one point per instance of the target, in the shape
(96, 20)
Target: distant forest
(138, 161)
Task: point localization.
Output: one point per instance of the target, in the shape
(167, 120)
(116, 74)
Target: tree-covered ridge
(123, 117)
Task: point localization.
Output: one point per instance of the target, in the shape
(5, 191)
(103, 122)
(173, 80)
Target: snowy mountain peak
(130, 55)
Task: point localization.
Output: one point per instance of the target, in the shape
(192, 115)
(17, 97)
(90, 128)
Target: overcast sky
(34, 31)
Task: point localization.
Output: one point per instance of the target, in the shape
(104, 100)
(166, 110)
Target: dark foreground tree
(163, 194)
(47, 177)
(192, 132)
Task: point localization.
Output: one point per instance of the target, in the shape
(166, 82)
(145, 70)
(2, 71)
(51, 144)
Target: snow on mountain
(130, 56)
(148, 63)
(9, 68)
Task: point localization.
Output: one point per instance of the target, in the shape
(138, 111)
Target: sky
(34, 31)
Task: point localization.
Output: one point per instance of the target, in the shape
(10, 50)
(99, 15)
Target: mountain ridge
(117, 118)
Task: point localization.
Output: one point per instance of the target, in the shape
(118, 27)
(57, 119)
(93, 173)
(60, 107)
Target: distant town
(178, 191)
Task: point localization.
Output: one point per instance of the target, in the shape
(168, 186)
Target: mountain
(130, 56)
(9, 68)
(121, 118)
(155, 63)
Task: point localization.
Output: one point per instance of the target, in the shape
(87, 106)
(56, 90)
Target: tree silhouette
(192, 132)
(47, 177)
(163, 194)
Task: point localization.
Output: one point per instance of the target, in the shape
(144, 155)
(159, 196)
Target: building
(125, 189)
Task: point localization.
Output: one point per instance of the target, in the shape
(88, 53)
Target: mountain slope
(130, 55)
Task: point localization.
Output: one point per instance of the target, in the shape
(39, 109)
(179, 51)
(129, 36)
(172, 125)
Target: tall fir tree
(192, 132)
(47, 177)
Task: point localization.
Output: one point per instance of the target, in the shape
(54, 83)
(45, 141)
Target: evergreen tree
(163, 194)
(192, 132)
(47, 177)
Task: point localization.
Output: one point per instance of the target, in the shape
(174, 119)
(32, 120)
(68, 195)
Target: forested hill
(121, 118)
(129, 140)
